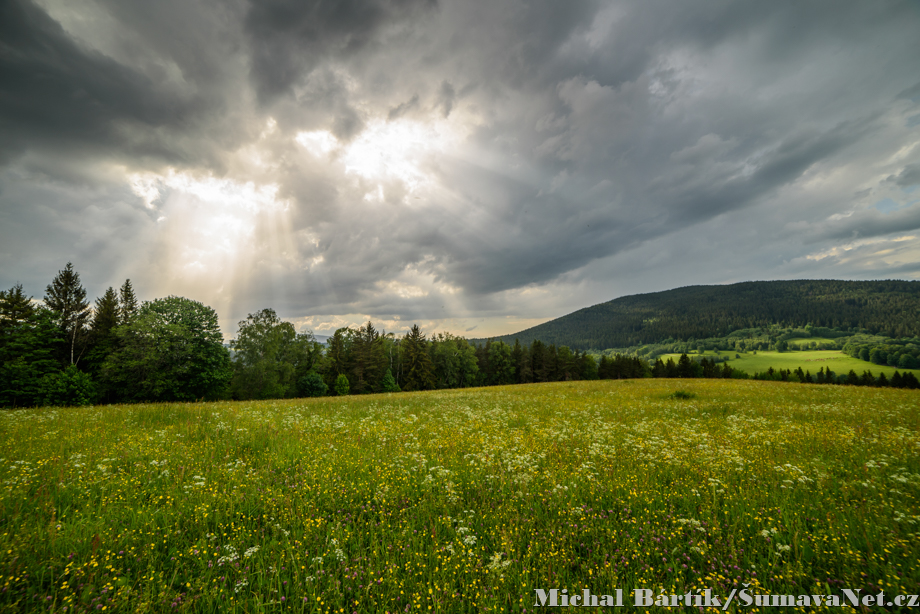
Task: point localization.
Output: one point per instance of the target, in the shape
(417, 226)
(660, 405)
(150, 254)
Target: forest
(65, 351)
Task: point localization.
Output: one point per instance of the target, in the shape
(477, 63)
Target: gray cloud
(290, 38)
(462, 162)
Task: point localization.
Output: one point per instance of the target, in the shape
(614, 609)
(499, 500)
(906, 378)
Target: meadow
(811, 360)
(460, 500)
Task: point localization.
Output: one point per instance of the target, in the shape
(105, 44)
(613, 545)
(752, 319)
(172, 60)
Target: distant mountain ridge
(889, 307)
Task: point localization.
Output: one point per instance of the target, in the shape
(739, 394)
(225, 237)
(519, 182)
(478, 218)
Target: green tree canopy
(269, 357)
(172, 351)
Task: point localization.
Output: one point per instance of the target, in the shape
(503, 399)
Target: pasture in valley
(812, 361)
(460, 500)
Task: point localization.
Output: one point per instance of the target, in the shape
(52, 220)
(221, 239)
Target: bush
(342, 387)
(312, 385)
(70, 387)
(389, 384)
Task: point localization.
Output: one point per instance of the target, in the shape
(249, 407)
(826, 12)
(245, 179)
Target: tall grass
(462, 500)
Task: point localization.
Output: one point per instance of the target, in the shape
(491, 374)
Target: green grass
(460, 500)
(819, 341)
(812, 360)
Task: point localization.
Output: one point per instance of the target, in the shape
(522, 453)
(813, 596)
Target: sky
(475, 167)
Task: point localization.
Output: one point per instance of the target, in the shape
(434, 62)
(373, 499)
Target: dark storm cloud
(597, 139)
(57, 94)
(289, 38)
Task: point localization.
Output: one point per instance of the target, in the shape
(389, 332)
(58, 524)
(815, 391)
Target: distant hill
(889, 308)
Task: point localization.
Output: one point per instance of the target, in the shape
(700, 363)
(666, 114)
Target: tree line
(65, 351)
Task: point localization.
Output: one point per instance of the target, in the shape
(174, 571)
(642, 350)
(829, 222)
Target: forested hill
(890, 308)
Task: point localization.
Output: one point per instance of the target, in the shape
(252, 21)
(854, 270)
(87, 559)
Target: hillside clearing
(812, 361)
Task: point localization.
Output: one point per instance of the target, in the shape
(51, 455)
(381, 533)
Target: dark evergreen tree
(368, 360)
(517, 359)
(15, 308)
(419, 372)
(684, 368)
(670, 369)
(389, 383)
(336, 362)
(66, 298)
(127, 303)
(29, 338)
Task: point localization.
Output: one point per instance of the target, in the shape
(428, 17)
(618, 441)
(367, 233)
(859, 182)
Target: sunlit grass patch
(460, 500)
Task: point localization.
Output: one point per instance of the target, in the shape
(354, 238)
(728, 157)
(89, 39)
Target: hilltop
(890, 308)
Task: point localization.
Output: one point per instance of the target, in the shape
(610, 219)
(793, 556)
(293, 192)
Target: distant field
(461, 500)
(812, 361)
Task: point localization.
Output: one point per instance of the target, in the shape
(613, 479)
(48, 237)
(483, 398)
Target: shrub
(312, 385)
(342, 387)
(389, 384)
(70, 387)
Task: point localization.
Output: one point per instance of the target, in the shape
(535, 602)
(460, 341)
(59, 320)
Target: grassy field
(813, 360)
(461, 500)
(819, 341)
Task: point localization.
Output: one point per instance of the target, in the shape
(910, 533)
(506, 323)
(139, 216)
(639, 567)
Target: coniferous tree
(419, 372)
(15, 307)
(684, 368)
(517, 359)
(368, 360)
(66, 298)
(105, 316)
(336, 362)
(388, 383)
(29, 337)
(127, 303)
(102, 338)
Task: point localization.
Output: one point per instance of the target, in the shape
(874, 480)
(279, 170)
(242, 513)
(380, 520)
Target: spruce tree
(105, 316)
(102, 329)
(66, 297)
(127, 303)
(389, 383)
(419, 370)
(15, 306)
